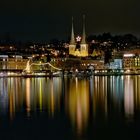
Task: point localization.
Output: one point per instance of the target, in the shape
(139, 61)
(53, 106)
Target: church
(78, 48)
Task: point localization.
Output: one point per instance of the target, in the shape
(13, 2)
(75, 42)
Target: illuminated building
(82, 50)
(131, 61)
(116, 64)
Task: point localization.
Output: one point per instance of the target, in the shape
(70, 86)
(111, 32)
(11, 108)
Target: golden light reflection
(40, 94)
(12, 106)
(28, 104)
(54, 91)
(100, 96)
(17, 93)
(129, 97)
(11, 100)
(52, 99)
(137, 92)
(78, 104)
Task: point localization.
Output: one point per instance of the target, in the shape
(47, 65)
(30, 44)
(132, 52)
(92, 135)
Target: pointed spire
(72, 41)
(84, 33)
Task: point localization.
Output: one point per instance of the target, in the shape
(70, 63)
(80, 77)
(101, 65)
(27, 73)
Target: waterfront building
(76, 48)
(3, 57)
(131, 61)
(128, 60)
(116, 64)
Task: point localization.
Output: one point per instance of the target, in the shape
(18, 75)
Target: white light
(127, 71)
(78, 38)
(76, 70)
(128, 55)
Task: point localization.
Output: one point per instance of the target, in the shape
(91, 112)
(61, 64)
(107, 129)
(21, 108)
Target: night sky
(42, 20)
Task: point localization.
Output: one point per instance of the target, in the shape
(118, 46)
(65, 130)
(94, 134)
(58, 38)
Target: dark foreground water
(100, 107)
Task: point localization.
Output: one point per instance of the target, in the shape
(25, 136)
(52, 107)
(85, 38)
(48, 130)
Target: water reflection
(28, 96)
(100, 96)
(83, 101)
(77, 101)
(129, 96)
(137, 92)
(3, 96)
(17, 95)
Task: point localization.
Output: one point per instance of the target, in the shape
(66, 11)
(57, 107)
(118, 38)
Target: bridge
(28, 67)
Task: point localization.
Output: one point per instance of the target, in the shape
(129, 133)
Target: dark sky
(46, 19)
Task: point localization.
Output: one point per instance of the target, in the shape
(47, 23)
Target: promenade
(16, 68)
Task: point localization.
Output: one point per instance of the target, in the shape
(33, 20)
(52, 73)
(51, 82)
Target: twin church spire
(74, 47)
(72, 41)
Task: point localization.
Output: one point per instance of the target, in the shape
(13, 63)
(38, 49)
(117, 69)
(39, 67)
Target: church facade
(79, 49)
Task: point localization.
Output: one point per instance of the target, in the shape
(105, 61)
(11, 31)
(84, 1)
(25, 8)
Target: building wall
(131, 62)
(82, 52)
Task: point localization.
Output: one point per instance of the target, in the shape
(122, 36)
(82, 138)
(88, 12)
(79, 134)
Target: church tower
(84, 45)
(72, 44)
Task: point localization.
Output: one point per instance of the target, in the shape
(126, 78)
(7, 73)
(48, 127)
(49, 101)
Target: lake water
(99, 107)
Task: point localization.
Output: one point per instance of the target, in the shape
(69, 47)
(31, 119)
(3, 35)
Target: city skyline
(43, 20)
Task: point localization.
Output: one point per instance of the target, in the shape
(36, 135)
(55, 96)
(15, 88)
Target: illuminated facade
(81, 51)
(131, 61)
